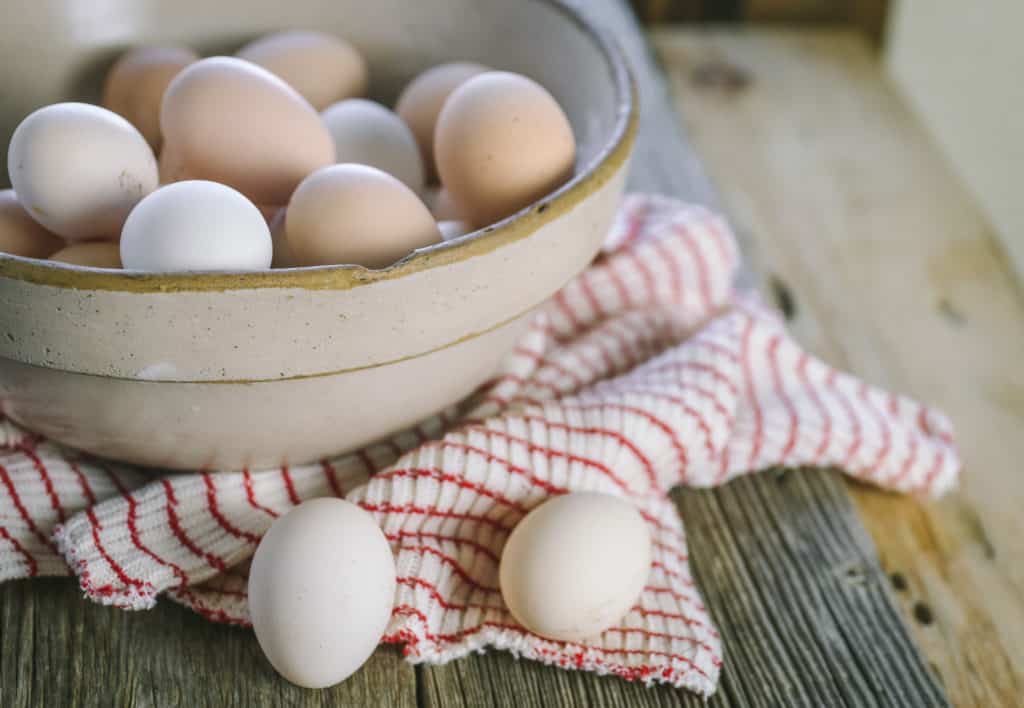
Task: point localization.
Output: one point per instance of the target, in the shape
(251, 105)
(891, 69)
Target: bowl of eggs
(261, 233)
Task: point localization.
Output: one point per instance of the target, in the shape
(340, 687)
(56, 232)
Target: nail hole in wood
(720, 75)
(853, 574)
(923, 613)
(898, 581)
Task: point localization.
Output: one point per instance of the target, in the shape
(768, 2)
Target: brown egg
(171, 166)
(136, 83)
(322, 68)
(20, 234)
(269, 212)
(356, 214)
(502, 142)
(282, 253)
(97, 254)
(422, 99)
(230, 121)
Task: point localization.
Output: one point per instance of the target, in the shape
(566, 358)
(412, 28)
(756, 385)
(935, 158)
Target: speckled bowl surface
(235, 370)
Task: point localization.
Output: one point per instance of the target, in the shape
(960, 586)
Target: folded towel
(645, 372)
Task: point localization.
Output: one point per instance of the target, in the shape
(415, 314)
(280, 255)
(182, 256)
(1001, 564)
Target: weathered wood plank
(497, 679)
(61, 650)
(893, 273)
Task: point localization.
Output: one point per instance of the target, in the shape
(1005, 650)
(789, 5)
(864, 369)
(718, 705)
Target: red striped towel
(645, 372)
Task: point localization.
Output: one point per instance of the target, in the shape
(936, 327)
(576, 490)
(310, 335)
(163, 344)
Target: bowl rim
(605, 164)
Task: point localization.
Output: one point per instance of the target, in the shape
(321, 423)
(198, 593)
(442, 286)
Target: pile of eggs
(322, 582)
(272, 158)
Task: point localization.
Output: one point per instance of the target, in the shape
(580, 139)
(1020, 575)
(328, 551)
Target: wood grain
(62, 650)
(893, 273)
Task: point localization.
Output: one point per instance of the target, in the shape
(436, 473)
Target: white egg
(453, 229)
(575, 565)
(193, 226)
(367, 133)
(321, 590)
(79, 169)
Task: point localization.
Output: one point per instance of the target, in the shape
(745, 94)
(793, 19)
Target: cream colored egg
(453, 229)
(367, 133)
(422, 99)
(79, 169)
(321, 67)
(196, 225)
(321, 590)
(95, 254)
(20, 234)
(135, 85)
(502, 142)
(575, 565)
(356, 214)
(230, 121)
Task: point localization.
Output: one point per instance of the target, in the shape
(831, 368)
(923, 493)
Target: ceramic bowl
(233, 370)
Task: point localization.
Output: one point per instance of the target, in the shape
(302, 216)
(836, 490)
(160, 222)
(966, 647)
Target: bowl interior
(55, 51)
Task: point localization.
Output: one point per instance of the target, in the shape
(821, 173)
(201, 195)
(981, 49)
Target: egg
(79, 169)
(135, 85)
(502, 142)
(321, 67)
(282, 252)
(20, 234)
(96, 254)
(230, 121)
(367, 133)
(453, 229)
(356, 214)
(269, 212)
(170, 166)
(321, 590)
(421, 101)
(195, 225)
(440, 204)
(575, 565)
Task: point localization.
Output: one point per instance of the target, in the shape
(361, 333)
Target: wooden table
(852, 222)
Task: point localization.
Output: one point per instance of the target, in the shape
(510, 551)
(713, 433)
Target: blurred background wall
(960, 63)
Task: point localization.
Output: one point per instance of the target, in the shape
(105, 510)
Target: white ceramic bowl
(259, 369)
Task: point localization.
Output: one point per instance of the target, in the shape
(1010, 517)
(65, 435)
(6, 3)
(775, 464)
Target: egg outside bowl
(231, 370)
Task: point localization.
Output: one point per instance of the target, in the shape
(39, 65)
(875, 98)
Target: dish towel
(645, 372)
